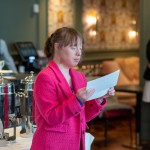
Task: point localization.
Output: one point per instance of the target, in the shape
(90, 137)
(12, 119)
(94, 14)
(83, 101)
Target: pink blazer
(61, 120)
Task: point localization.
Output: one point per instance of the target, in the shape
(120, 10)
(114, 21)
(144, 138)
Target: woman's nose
(79, 52)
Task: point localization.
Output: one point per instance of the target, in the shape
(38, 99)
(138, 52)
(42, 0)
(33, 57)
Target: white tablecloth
(24, 143)
(19, 144)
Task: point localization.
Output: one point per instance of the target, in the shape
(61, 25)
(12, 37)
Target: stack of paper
(102, 84)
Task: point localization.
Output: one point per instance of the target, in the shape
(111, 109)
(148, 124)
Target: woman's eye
(73, 48)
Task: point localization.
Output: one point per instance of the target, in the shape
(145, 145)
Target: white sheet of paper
(102, 84)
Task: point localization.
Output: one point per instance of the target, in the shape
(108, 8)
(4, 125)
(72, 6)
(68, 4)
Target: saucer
(6, 71)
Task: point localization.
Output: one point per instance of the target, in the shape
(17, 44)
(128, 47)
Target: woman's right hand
(83, 94)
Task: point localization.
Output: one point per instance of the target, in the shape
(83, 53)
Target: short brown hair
(64, 36)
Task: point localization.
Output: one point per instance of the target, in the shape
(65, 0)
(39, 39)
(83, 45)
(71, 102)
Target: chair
(115, 110)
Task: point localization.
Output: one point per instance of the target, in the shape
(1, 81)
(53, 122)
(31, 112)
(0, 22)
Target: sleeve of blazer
(93, 109)
(45, 95)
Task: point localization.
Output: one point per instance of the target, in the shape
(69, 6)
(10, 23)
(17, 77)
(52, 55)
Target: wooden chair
(115, 110)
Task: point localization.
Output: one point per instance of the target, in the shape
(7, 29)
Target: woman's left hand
(110, 92)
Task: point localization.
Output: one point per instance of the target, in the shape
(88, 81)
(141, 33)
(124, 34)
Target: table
(16, 78)
(138, 90)
(19, 144)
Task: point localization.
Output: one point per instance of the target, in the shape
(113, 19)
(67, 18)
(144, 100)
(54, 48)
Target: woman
(146, 90)
(60, 96)
(4, 55)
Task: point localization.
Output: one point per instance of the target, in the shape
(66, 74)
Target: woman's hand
(110, 92)
(83, 94)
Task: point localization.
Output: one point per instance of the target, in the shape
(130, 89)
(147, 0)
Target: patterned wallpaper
(115, 18)
(60, 13)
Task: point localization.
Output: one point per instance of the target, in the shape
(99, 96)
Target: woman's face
(70, 55)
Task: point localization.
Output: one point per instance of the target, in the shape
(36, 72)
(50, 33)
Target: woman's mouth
(76, 60)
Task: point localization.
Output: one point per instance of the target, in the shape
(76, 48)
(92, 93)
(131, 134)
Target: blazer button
(83, 132)
(76, 113)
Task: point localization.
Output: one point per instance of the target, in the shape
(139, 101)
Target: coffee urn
(26, 104)
(7, 107)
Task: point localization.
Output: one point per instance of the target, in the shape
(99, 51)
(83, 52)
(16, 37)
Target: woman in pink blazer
(61, 106)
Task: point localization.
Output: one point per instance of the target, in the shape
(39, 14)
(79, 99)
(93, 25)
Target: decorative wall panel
(115, 18)
(60, 13)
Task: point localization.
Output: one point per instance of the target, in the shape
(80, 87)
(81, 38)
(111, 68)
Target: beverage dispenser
(26, 104)
(7, 107)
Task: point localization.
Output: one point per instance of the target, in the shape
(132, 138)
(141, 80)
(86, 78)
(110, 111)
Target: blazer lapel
(64, 86)
(78, 80)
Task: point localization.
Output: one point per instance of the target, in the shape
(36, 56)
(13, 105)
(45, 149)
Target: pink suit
(61, 120)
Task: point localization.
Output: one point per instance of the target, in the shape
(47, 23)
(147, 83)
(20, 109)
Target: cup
(2, 63)
(21, 69)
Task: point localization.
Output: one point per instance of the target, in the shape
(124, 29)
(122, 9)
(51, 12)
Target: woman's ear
(56, 46)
